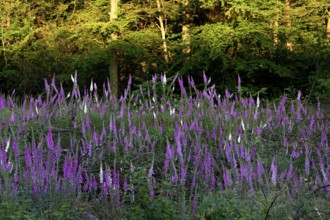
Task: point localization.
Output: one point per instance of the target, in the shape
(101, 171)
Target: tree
(113, 67)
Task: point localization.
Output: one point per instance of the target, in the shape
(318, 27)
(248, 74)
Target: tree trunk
(186, 29)
(289, 44)
(114, 10)
(113, 72)
(276, 32)
(5, 23)
(162, 29)
(113, 66)
(328, 26)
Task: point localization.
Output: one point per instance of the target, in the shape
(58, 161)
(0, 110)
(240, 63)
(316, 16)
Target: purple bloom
(15, 149)
(108, 179)
(227, 178)
(49, 139)
(289, 172)
(204, 77)
(166, 163)
(67, 168)
(213, 181)
(103, 133)
(307, 163)
(283, 175)
(274, 167)
(299, 95)
(234, 162)
(95, 138)
(285, 141)
(260, 170)
(243, 170)
(3, 159)
(259, 131)
(87, 122)
(228, 94)
(183, 173)
(194, 210)
(312, 123)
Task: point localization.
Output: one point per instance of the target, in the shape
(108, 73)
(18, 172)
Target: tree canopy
(275, 46)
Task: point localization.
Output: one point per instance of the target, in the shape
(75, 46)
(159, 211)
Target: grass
(153, 154)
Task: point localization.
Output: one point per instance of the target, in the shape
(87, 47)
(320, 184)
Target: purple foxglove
(108, 179)
(88, 122)
(125, 185)
(260, 170)
(274, 167)
(49, 139)
(194, 210)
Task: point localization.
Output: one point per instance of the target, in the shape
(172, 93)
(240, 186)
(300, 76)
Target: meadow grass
(158, 154)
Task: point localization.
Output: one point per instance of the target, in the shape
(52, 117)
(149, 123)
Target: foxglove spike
(91, 86)
(274, 167)
(299, 95)
(239, 83)
(204, 77)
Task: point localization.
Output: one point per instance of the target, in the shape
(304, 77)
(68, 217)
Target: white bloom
(72, 78)
(155, 115)
(101, 174)
(8, 144)
(258, 101)
(164, 79)
(11, 166)
(242, 124)
(91, 87)
(132, 168)
(239, 139)
(229, 138)
(37, 110)
(68, 96)
(85, 108)
(172, 111)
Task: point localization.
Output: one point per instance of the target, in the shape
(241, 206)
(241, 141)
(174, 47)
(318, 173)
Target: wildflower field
(165, 151)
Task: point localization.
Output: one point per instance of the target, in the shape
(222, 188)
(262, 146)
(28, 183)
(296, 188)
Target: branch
(321, 187)
(271, 205)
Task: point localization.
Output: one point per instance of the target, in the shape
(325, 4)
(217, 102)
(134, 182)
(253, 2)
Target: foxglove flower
(49, 139)
(194, 210)
(101, 174)
(87, 122)
(239, 83)
(108, 179)
(7, 145)
(274, 167)
(299, 95)
(260, 170)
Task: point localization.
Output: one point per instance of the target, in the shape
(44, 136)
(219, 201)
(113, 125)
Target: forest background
(276, 46)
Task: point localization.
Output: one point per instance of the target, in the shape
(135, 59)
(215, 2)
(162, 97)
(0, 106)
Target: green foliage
(226, 38)
(28, 207)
